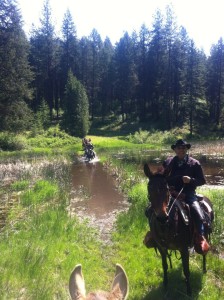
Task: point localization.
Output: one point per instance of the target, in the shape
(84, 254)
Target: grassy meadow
(41, 242)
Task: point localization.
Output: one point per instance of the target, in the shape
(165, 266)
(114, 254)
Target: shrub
(19, 117)
(53, 137)
(139, 137)
(11, 142)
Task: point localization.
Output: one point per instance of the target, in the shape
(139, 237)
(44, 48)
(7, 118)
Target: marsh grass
(40, 245)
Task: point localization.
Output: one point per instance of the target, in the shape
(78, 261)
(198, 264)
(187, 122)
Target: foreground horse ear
(77, 283)
(119, 288)
(147, 171)
(120, 282)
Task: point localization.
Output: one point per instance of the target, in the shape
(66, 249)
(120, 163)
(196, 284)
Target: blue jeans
(190, 197)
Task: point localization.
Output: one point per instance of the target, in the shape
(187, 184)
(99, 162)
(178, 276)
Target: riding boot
(200, 243)
(149, 241)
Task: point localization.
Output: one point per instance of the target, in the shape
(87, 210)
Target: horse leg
(165, 266)
(186, 270)
(204, 264)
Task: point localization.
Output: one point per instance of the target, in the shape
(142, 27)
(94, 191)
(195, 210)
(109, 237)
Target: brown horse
(171, 227)
(119, 290)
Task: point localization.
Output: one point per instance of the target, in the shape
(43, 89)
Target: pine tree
(215, 82)
(126, 74)
(195, 87)
(15, 72)
(76, 109)
(105, 95)
(69, 53)
(96, 45)
(44, 60)
(143, 72)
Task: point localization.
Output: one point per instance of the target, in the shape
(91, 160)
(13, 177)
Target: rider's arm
(198, 178)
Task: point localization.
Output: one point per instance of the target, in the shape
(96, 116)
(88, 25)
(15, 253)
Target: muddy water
(95, 197)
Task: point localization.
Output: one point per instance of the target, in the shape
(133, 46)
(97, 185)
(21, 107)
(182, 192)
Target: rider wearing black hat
(185, 174)
(180, 143)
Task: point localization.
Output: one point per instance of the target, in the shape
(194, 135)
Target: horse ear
(77, 284)
(120, 284)
(147, 171)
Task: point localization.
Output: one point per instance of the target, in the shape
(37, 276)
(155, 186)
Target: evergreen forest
(156, 76)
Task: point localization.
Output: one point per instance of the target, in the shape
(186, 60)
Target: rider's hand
(186, 179)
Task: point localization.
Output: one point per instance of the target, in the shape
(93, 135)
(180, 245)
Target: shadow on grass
(176, 288)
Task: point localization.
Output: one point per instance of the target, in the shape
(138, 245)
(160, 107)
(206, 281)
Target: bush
(158, 137)
(19, 117)
(53, 137)
(12, 142)
(139, 137)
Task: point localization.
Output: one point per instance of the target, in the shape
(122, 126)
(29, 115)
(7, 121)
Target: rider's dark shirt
(176, 169)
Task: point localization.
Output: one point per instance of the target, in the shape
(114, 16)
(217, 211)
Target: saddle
(184, 210)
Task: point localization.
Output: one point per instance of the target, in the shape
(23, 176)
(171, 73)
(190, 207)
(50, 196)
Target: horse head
(158, 192)
(119, 290)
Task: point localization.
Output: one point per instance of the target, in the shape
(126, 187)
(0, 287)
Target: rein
(175, 200)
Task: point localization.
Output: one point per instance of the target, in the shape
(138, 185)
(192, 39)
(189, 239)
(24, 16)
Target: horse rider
(84, 143)
(185, 174)
(90, 144)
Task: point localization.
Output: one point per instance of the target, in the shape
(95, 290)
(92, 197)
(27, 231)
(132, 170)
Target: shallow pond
(94, 196)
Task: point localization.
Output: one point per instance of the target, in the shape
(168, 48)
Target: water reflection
(102, 197)
(95, 197)
(213, 165)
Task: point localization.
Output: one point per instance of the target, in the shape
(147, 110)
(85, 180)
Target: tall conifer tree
(15, 72)
(76, 108)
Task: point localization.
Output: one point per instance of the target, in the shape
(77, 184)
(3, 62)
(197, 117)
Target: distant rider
(88, 147)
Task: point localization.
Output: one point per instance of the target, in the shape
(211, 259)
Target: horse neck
(159, 201)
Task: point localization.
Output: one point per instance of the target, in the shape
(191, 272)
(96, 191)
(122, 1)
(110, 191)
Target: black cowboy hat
(181, 143)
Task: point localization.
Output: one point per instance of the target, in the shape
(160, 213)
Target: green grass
(41, 244)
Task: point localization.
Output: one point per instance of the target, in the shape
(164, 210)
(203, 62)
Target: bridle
(169, 200)
(159, 191)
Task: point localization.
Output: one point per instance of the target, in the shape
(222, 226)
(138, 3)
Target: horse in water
(119, 290)
(171, 225)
